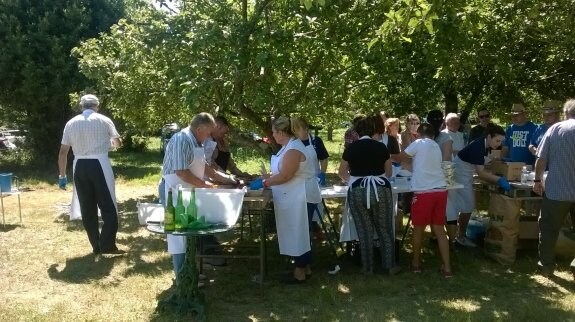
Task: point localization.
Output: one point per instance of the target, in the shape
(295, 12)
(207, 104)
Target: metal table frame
(14, 192)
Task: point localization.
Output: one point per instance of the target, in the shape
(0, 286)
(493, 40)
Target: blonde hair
(389, 122)
(411, 117)
(298, 124)
(283, 123)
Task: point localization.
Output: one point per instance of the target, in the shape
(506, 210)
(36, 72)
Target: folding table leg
(405, 231)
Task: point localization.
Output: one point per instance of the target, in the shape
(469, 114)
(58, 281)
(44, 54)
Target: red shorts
(428, 208)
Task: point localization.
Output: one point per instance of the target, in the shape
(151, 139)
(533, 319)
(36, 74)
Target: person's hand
(257, 184)
(321, 177)
(538, 188)
(62, 182)
(504, 184)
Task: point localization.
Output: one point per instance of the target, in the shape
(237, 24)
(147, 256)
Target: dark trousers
(379, 219)
(552, 218)
(93, 193)
(303, 260)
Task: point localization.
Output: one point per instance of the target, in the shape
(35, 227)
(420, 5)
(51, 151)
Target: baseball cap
(517, 108)
(551, 106)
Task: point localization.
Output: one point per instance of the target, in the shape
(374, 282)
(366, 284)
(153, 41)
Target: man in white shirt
(91, 135)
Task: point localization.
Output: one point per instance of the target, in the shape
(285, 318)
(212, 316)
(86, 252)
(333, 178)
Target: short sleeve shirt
(474, 152)
(427, 172)
(89, 133)
(517, 139)
(458, 139)
(538, 134)
(179, 152)
(558, 148)
(366, 157)
(319, 147)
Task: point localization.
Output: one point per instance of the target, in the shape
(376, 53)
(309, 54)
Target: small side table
(188, 297)
(14, 192)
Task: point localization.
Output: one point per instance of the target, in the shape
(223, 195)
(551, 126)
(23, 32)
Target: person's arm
(447, 150)
(533, 149)
(388, 169)
(188, 177)
(323, 165)
(219, 176)
(63, 159)
(540, 166)
(343, 171)
(289, 166)
(485, 175)
(117, 142)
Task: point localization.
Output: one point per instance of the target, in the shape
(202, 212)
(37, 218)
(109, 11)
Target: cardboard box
(528, 228)
(510, 170)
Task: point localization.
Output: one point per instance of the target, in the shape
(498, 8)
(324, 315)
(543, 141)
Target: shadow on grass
(8, 227)
(83, 269)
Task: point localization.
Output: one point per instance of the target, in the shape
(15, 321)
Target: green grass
(46, 273)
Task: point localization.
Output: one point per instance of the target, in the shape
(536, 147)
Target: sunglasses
(484, 116)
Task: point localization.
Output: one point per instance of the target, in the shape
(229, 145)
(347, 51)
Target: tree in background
(37, 71)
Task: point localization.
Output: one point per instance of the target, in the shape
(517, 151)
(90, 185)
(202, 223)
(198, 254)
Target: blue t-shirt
(517, 139)
(538, 134)
(474, 152)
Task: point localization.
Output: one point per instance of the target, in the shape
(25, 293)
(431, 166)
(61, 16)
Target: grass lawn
(48, 274)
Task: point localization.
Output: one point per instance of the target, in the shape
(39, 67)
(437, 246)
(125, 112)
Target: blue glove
(62, 182)
(321, 177)
(504, 184)
(257, 184)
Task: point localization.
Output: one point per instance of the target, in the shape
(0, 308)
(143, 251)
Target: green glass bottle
(169, 214)
(192, 210)
(181, 217)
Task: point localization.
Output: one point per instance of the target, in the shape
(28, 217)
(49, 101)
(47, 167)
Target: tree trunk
(450, 99)
(330, 134)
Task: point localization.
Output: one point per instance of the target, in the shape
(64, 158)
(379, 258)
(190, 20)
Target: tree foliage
(37, 72)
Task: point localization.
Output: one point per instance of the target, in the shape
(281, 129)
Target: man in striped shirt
(557, 150)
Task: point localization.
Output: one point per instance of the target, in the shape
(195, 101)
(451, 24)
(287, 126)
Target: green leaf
(406, 39)
(321, 2)
(429, 26)
(372, 42)
(308, 4)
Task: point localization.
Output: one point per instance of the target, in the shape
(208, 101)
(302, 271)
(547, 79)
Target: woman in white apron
(291, 169)
(365, 164)
(471, 159)
(316, 148)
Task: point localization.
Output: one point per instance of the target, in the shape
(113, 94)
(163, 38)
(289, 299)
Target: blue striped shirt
(179, 152)
(558, 148)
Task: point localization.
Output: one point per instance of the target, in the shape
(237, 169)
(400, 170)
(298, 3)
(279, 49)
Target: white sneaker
(463, 241)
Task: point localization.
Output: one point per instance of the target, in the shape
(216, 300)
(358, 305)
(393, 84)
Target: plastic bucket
(150, 212)
(6, 182)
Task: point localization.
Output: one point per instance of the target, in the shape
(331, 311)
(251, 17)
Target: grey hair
(451, 116)
(202, 119)
(569, 108)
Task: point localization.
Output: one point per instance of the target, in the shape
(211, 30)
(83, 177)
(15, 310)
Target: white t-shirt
(458, 140)
(427, 172)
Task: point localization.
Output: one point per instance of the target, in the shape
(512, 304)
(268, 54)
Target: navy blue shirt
(319, 147)
(474, 152)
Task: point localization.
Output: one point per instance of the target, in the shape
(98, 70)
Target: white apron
(311, 189)
(177, 244)
(75, 211)
(290, 209)
(348, 231)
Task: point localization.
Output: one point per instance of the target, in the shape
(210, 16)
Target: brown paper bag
(501, 236)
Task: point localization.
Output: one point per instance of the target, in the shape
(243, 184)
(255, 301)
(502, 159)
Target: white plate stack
(448, 171)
